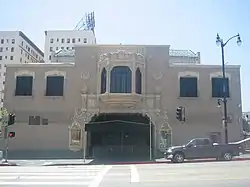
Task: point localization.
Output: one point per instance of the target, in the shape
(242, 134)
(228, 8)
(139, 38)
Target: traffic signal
(12, 134)
(180, 113)
(12, 119)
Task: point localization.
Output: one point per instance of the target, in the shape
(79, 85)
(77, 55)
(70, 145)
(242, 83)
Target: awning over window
(117, 125)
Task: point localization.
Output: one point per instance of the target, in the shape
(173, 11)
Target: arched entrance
(119, 136)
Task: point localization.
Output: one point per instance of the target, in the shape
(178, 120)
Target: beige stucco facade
(82, 98)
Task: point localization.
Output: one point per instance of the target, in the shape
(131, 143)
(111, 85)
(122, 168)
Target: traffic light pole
(6, 143)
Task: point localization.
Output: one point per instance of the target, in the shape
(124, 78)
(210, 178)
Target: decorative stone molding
(219, 75)
(122, 55)
(25, 73)
(85, 76)
(158, 76)
(83, 115)
(188, 74)
(55, 73)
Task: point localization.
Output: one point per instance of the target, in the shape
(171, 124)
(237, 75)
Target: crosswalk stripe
(39, 177)
(50, 174)
(76, 176)
(61, 183)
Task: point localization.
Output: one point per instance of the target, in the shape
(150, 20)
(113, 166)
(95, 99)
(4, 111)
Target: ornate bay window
(121, 76)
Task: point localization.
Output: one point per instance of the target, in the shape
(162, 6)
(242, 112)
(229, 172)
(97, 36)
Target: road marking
(134, 174)
(54, 177)
(100, 176)
(195, 179)
(56, 173)
(62, 183)
(47, 163)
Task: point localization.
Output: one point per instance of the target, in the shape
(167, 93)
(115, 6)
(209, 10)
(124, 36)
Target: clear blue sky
(184, 24)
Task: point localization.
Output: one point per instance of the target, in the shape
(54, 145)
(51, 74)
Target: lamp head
(239, 40)
(218, 40)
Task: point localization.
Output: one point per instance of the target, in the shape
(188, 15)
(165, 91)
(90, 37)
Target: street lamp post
(219, 42)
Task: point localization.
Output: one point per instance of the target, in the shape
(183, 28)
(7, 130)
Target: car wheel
(227, 156)
(178, 158)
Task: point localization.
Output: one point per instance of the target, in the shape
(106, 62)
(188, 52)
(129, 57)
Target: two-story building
(123, 97)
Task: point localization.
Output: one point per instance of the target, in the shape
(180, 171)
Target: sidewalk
(3, 163)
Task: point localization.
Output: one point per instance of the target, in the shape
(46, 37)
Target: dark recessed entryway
(119, 136)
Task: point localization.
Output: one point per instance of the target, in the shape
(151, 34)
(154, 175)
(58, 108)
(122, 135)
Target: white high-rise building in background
(65, 40)
(15, 48)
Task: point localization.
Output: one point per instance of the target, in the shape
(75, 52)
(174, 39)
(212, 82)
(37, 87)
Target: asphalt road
(216, 174)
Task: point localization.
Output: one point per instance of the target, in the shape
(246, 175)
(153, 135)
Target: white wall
(60, 40)
(20, 51)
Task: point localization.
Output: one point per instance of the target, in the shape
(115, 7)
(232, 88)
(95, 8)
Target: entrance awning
(117, 125)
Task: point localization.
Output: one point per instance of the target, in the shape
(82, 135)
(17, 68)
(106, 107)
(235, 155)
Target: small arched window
(138, 81)
(103, 80)
(121, 80)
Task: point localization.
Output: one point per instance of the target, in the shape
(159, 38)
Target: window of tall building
(54, 85)
(217, 87)
(73, 40)
(51, 49)
(24, 85)
(85, 40)
(68, 40)
(12, 49)
(1, 49)
(13, 41)
(1, 57)
(7, 49)
(2, 41)
(51, 40)
(57, 40)
(11, 57)
(62, 40)
(79, 39)
(188, 87)
(22, 43)
(121, 80)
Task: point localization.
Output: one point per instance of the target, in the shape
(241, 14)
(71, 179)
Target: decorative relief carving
(55, 73)
(82, 115)
(188, 74)
(219, 74)
(85, 75)
(91, 103)
(84, 89)
(24, 73)
(121, 55)
(159, 76)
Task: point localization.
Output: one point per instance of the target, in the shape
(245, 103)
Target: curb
(146, 162)
(9, 165)
(169, 162)
(79, 164)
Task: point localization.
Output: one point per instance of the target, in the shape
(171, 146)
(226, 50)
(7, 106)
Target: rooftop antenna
(87, 22)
